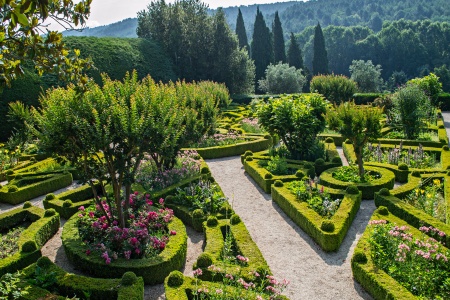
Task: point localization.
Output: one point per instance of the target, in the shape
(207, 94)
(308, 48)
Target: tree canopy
(279, 51)
(261, 46)
(320, 58)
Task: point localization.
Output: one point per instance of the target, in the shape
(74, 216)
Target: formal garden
(125, 166)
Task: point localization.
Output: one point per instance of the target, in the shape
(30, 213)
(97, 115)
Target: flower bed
(375, 280)
(44, 224)
(327, 232)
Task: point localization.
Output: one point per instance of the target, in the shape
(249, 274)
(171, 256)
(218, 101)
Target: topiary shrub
(445, 148)
(33, 159)
(226, 209)
(327, 226)
(441, 126)
(278, 183)
(268, 176)
(415, 173)
(307, 165)
(205, 170)
(348, 142)
(44, 262)
(267, 137)
(382, 210)
(29, 246)
(9, 172)
(299, 174)
(235, 219)
(204, 260)
(384, 192)
(360, 257)
(212, 221)
(67, 203)
(352, 190)
(175, 279)
(319, 162)
(403, 167)
(249, 158)
(198, 214)
(329, 140)
(336, 160)
(248, 153)
(49, 212)
(12, 189)
(128, 278)
(17, 177)
(27, 205)
(50, 196)
(169, 199)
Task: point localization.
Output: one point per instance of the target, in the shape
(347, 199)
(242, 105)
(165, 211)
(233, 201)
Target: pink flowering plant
(145, 235)
(419, 264)
(251, 125)
(219, 139)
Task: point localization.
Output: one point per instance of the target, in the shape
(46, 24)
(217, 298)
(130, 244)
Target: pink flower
(127, 254)
(88, 252)
(133, 241)
(136, 193)
(137, 251)
(198, 272)
(161, 201)
(149, 202)
(91, 214)
(81, 208)
(173, 232)
(80, 215)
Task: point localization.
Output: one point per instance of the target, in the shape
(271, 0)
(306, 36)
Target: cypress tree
(261, 46)
(294, 55)
(241, 32)
(320, 58)
(279, 52)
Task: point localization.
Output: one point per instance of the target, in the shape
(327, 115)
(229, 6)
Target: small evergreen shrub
(225, 209)
(441, 126)
(67, 203)
(235, 219)
(382, 210)
(29, 246)
(17, 177)
(278, 183)
(204, 170)
(329, 140)
(175, 279)
(198, 214)
(445, 148)
(9, 172)
(248, 153)
(327, 226)
(128, 278)
(348, 142)
(336, 160)
(308, 165)
(319, 162)
(249, 158)
(352, 190)
(204, 260)
(27, 205)
(415, 173)
(212, 221)
(44, 262)
(384, 192)
(12, 189)
(268, 176)
(403, 167)
(50, 196)
(49, 212)
(169, 199)
(360, 257)
(299, 174)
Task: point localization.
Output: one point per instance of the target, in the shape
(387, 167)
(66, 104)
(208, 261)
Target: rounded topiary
(204, 260)
(33, 159)
(175, 279)
(327, 226)
(128, 278)
(239, 131)
(248, 153)
(299, 174)
(403, 167)
(9, 172)
(212, 221)
(441, 126)
(29, 246)
(49, 212)
(249, 158)
(268, 176)
(169, 199)
(226, 209)
(278, 183)
(12, 189)
(319, 162)
(308, 165)
(235, 219)
(205, 170)
(67, 203)
(211, 179)
(348, 142)
(198, 214)
(382, 210)
(50, 196)
(360, 257)
(384, 192)
(352, 190)
(267, 137)
(44, 262)
(329, 140)
(27, 205)
(336, 160)
(448, 173)
(415, 173)
(445, 148)
(18, 177)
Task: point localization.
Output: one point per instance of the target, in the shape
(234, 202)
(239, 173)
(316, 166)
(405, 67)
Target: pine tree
(320, 58)
(261, 47)
(241, 32)
(294, 55)
(279, 52)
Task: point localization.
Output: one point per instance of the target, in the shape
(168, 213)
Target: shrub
(327, 226)
(366, 75)
(204, 260)
(299, 174)
(175, 279)
(50, 196)
(445, 148)
(415, 173)
(319, 162)
(278, 183)
(382, 210)
(430, 85)
(12, 189)
(248, 153)
(384, 192)
(9, 172)
(336, 160)
(329, 140)
(204, 170)
(27, 204)
(249, 158)
(360, 257)
(67, 203)
(198, 213)
(352, 190)
(44, 262)
(282, 79)
(335, 88)
(128, 278)
(235, 219)
(268, 176)
(226, 209)
(212, 221)
(348, 142)
(49, 212)
(29, 246)
(403, 167)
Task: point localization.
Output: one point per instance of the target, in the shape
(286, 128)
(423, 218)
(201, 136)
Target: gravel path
(290, 252)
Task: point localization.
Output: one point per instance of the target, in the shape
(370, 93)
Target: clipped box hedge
(45, 223)
(311, 222)
(51, 183)
(375, 281)
(152, 270)
(368, 189)
(129, 287)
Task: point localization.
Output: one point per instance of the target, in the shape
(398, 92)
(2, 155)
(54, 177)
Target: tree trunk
(359, 159)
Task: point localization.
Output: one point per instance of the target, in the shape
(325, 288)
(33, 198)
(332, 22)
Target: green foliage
(261, 45)
(382, 210)
(335, 88)
(44, 262)
(320, 57)
(430, 85)
(352, 190)
(212, 221)
(403, 167)
(175, 279)
(359, 257)
(204, 260)
(443, 73)
(277, 165)
(29, 246)
(278, 183)
(129, 278)
(296, 119)
(9, 289)
(241, 32)
(279, 52)
(282, 79)
(384, 192)
(294, 54)
(235, 219)
(327, 226)
(366, 75)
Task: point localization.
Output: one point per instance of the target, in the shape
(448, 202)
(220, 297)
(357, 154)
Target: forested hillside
(125, 28)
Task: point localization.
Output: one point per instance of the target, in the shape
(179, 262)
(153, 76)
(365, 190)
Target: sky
(105, 12)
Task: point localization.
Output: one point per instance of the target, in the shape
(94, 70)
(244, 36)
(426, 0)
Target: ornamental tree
(356, 123)
(296, 119)
(105, 131)
(24, 37)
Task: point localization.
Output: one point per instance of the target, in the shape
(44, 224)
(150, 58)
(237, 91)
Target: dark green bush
(129, 278)
(29, 246)
(12, 189)
(268, 176)
(445, 148)
(204, 170)
(415, 173)
(204, 260)
(384, 192)
(352, 190)
(50, 196)
(335, 88)
(9, 172)
(249, 158)
(403, 167)
(212, 221)
(319, 162)
(329, 140)
(299, 174)
(336, 160)
(198, 213)
(348, 142)
(278, 183)
(327, 226)
(44, 262)
(27, 204)
(175, 279)
(49, 212)
(248, 153)
(67, 203)
(382, 210)
(235, 219)
(359, 257)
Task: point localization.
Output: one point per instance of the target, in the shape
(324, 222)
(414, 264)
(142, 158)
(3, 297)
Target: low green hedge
(44, 225)
(365, 98)
(153, 270)
(214, 236)
(375, 281)
(53, 183)
(75, 285)
(310, 221)
(254, 144)
(368, 189)
(37, 166)
(337, 138)
(400, 175)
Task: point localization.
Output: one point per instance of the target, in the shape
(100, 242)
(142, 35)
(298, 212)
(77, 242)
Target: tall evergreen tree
(279, 52)
(261, 46)
(241, 32)
(320, 57)
(294, 55)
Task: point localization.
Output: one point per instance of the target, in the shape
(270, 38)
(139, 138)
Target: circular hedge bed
(368, 188)
(153, 270)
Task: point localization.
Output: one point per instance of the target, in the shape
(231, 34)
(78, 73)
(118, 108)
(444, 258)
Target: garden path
(290, 252)
(446, 117)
